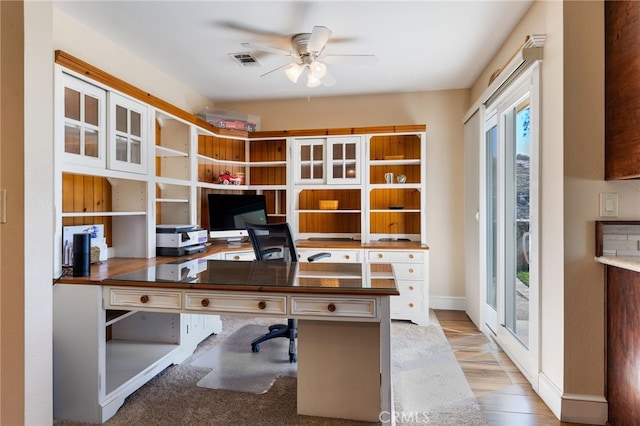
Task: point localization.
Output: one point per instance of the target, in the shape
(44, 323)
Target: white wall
(38, 212)
(26, 169)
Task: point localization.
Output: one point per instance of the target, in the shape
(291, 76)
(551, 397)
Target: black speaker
(81, 254)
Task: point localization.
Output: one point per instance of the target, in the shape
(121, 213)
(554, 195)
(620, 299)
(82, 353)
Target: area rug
(234, 367)
(428, 383)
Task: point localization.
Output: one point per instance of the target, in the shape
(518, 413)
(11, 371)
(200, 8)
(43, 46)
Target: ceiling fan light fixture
(313, 81)
(293, 72)
(318, 69)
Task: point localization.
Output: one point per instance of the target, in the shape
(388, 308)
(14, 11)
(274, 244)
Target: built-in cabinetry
(121, 349)
(130, 162)
(375, 181)
(617, 248)
(406, 261)
(622, 89)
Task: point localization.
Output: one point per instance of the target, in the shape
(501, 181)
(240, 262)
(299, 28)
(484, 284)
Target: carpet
(234, 367)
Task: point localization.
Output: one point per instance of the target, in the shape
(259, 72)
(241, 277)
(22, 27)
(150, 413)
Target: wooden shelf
(162, 151)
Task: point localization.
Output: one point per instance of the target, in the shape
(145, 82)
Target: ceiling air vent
(245, 59)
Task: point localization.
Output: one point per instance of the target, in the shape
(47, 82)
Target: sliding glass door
(511, 206)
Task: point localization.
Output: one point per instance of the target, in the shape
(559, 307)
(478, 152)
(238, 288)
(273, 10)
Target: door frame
(527, 360)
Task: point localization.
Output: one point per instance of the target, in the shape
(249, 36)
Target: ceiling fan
(307, 49)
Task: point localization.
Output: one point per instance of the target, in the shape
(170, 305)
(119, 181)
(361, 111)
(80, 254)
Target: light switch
(3, 206)
(608, 205)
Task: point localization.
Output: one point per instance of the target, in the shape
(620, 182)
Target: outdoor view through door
(511, 200)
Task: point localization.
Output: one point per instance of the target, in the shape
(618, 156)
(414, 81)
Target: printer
(179, 240)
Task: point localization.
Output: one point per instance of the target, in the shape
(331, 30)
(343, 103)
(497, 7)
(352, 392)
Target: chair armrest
(317, 256)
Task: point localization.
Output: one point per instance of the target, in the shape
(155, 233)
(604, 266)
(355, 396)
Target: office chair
(274, 242)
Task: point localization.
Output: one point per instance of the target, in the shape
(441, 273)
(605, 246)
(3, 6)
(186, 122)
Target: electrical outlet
(608, 205)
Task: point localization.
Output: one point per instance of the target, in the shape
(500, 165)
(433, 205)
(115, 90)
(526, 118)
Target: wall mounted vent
(245, 59)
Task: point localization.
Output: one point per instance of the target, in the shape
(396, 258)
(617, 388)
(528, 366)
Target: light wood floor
(505, 396)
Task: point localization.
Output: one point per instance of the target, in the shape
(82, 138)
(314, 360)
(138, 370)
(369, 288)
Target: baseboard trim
(573, 408)
(448, 303)
(589, 409)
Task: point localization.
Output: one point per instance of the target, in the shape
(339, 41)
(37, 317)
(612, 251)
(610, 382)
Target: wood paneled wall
(221, 149)
(86, 194)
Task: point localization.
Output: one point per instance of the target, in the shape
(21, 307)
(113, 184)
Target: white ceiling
(419, 45)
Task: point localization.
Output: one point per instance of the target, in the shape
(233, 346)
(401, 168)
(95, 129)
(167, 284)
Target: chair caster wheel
(293, 358)
(255, 348)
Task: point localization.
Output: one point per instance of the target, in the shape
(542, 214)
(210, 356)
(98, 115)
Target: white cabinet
(100, 128)
(332, 160)
(343, 160)
(102, 356)
(128, 134)
(337, 255)
(82, 108)
(411, 270)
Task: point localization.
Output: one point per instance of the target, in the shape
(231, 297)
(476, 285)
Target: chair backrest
(272, 241)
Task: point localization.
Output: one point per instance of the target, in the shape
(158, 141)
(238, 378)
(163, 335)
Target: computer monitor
(228, 214)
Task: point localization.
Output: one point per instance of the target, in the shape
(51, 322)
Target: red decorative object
(226, 178)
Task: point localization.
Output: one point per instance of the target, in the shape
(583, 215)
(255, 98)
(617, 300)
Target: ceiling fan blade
(269, 49)
(350, 59)
(275, 69)
(319, 38)
(328, 80)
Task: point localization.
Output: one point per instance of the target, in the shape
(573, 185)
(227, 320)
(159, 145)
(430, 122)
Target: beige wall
(84, 43)
(442, 113)
(572, 152)
(11, 171)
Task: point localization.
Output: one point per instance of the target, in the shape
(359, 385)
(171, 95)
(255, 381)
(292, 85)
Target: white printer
(179, 240)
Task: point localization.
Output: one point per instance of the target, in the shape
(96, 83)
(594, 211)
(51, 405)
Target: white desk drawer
(408, 271)
(337, 256)
(334, 307)
(396, 256)
(240, 255)
(236, 303)
(142, 298)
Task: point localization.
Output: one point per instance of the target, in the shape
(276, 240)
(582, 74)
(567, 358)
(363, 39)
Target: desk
(344, 366)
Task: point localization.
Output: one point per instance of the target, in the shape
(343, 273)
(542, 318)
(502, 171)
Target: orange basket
(328, 204)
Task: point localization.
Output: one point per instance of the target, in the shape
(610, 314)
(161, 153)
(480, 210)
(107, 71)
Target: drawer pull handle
(410, 256)
(346, 256)
(411, 287)
(236, 257)
(262, 304)
(411, 270)
(144, 298)
(205, 302)
(411, 305)
(380, 255)
(331, 307)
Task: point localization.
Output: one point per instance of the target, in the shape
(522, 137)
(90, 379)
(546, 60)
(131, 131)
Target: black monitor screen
(231, 211)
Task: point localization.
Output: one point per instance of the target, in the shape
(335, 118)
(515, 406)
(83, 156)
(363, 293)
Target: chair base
(289, 330)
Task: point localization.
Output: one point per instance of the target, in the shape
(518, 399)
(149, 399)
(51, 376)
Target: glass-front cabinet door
(127, 135)
(333, 161)
(344, 160)
(84, 124)
(310, 164)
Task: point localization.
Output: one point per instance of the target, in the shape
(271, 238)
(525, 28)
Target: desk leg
(339, 369)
